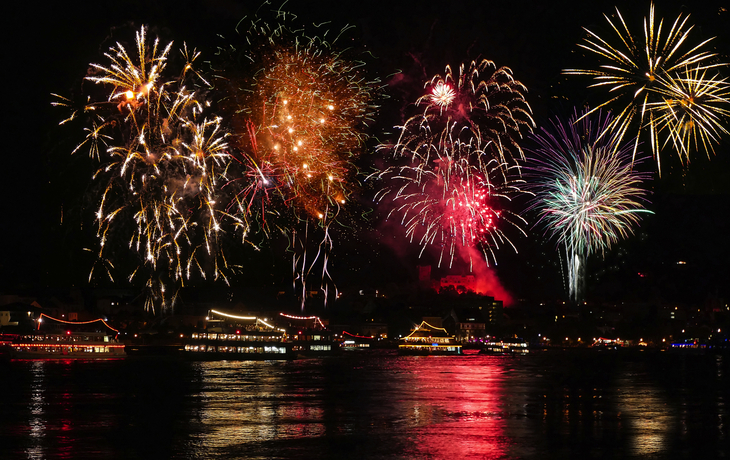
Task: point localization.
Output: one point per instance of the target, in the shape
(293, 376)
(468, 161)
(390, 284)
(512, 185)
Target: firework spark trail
(450, 196)
(641, 74)
(161, 161)
(304, 106)
(588, 195)
(693, 109)
(457, 161)
(485, 102)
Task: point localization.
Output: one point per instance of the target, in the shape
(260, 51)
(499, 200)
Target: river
(557, 404)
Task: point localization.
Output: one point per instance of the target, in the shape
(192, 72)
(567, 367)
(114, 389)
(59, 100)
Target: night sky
(47, 50)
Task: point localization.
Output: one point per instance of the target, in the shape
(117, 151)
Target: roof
(426, 330)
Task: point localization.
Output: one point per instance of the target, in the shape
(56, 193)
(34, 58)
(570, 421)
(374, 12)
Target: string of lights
(74, 322)
(316, 318)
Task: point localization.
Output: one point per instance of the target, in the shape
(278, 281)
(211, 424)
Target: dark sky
(48, 48)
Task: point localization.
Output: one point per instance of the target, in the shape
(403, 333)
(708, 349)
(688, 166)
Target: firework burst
(452, 195)
(299, 108)
(692, 111)
(486, 102)
(640, 74)
(161, 162)
(456, 163)
(587, 193)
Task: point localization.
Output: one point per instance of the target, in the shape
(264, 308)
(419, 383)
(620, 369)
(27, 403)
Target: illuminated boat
(64, 340)
(505, 347)
(309, 336)
(354, 342)
(428, 340)
(237, 337)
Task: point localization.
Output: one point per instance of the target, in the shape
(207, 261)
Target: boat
(429, 340)
(505, 347)
(237, 337)
(64, 340)
(309, 337)
(354, 342)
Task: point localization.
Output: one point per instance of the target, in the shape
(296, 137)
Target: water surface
(553, 405)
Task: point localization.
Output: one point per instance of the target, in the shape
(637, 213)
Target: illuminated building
(468, 323)
(17, 313)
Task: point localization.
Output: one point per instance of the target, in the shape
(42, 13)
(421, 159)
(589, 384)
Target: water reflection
(645, 409)
(59, 410)
(721, 410)
(455, 408)
(439, 406)
(36, 421)
(541, 406)
(248, 403)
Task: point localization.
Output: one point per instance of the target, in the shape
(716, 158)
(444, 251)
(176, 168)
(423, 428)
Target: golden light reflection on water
(450, 406)
(643, 406)
(249, 402)
(550, 407)
(37, 419)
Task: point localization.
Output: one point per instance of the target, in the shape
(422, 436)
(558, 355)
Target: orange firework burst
(298, 108)
(309, 111)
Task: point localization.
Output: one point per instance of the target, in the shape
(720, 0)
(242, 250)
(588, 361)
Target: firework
(452, 195)
(640, 73)
(692, 111)
(456, 162)
(485, 102)
(299, 108)
(161, 162)
(587, 193)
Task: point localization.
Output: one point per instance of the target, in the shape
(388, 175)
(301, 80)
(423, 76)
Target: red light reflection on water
(456, 408)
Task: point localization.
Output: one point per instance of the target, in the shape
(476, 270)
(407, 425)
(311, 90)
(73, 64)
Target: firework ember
(488, 103)
(451, 195)
(693, 110)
